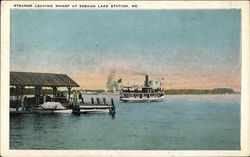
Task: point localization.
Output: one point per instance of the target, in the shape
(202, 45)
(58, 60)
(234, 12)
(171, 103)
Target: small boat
(51, 107)
(151, 91)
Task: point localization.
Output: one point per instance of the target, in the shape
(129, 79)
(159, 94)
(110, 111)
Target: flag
(119, 81)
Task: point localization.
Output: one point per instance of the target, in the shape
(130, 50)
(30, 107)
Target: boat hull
(142, 99)
(38, 110)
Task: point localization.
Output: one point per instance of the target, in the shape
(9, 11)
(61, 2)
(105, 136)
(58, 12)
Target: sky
(190, 49)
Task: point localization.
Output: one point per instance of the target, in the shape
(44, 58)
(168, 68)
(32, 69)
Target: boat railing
(141, 95)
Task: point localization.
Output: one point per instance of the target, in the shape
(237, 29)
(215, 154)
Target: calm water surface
(183, 122)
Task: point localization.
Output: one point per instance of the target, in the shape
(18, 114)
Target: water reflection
(112, 115)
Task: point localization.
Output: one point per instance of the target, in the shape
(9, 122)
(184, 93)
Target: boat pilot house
(19, 81)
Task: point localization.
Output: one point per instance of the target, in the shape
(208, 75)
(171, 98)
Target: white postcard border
(6, 6)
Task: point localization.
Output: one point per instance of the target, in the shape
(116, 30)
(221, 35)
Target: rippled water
(183, 122)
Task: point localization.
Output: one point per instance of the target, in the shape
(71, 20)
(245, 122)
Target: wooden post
(17, 96)
(92, 101)
(69, 89)
(112, 109)
(37, 94)
(22, 88)
(98, 101)
(36, 102)
(15, 92)
(112, 102)
(104, 101)
(54, 93)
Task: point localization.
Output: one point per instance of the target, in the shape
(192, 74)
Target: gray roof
(41, 79)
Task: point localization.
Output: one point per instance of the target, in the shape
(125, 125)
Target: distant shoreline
(206, 94)
(200, 91)
(31, 91)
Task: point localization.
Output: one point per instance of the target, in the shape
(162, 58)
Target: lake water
(180, 122)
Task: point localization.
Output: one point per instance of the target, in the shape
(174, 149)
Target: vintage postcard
(124, 78)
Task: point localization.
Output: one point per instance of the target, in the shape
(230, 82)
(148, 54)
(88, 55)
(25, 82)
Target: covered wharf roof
(41, 79)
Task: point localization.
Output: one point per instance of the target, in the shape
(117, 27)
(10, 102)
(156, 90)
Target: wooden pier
(92, 107)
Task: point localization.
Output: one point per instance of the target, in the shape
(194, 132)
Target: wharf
(58, 102)
(91, 107)
(75, 109)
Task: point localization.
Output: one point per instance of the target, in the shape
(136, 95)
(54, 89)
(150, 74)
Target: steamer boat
(150, 92)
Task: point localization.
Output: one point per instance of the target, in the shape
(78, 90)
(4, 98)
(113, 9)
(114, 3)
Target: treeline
(200, 91)
(97, 90)
(89, 90)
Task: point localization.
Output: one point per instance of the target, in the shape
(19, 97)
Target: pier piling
(98, 101)
(92, 100)
(104, 101)
(112, 109)
(112, 102)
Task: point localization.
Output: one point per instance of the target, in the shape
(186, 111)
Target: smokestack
(146, 81)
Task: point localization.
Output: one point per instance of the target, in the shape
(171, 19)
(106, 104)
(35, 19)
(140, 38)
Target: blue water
(181, 122)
